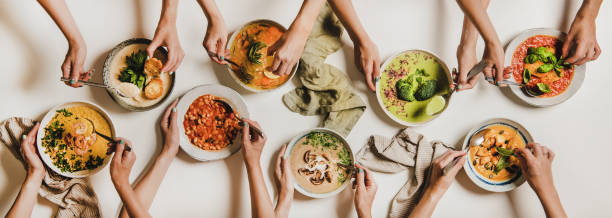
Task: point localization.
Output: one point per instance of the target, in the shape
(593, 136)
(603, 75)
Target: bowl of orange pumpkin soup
(536, 62)
(248, 48)
(493, 163)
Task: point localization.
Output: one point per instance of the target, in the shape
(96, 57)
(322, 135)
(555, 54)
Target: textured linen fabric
(407, 151)
(73, 195)
(326, 89)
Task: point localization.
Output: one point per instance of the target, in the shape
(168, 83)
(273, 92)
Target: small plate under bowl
(232, 98)
(576, 83)
(231, 41)
(480, 180)
(160, 53)
(292, 144)
(41, 134)
(379, 88)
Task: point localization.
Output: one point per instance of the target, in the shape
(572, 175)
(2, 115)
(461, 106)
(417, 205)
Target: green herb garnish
(134, 71)
(253, 54)
(501, 164)
(543, 88)
(64, 112)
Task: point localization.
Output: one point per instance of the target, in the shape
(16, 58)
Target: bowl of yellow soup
(411, 83)
(493, 163)
(67, 142)
(321, 162)
(248, 48)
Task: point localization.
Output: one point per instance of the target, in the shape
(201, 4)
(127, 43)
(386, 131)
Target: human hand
(439, 182)
(284, 177)
(166, 34)
(466, 58)
(287, 51)
(215, 42)
(365, 191)
(72, 68)
(368, 62)
(122, 162)
(535, 161)
(252, 143)
(581, 45)
(284, 184)
(36, 169)
(494, 56)
(170, 132)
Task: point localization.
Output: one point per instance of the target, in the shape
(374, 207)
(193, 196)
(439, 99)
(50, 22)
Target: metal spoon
(99, 85)
(526, 89)
(230, 110)
(108, 138)
(473, 142)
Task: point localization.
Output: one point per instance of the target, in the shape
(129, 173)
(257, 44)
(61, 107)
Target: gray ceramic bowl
(106, 74)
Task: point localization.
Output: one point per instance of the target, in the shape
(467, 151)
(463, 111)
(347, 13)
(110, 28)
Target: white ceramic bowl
(304, 134)
(379, 87)
(579, 70)
(231, 41)
(41, 134)
(482, 181)
(232, 98)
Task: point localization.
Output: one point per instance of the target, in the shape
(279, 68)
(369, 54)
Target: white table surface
(33, 49)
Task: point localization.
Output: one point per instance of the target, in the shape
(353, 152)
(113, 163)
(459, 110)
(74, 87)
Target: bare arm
(438, 183)
(120, 168)
(261, 205)
(146, 189)
(466, 53)
(367, 58)
(581, 43)
(166, 34)
(288, 49)
(72, 67)
(536, 161)
(494, 54)
(216, 32)
(24, 204)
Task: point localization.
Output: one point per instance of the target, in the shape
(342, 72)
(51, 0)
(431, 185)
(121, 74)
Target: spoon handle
(87, 83)
(506, 82)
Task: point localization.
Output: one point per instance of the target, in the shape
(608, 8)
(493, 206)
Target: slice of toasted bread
(153, 67)
(154, 89)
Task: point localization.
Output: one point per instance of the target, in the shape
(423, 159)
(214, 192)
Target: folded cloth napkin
(326, 90)
(407, 151)
(73, 195)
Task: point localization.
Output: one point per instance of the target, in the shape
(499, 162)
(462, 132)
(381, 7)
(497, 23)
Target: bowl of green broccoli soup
(414, 87)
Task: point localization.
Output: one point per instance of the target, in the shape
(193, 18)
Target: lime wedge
(271, 75)
(436, 105)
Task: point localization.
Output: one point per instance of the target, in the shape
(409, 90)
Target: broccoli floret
(426, 90)
(406, 88)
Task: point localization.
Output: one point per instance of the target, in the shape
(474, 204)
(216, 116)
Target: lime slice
(271, 75)
(436, 105)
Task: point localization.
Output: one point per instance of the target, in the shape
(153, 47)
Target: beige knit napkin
(326, 89)
(407, 151)
(73, 196)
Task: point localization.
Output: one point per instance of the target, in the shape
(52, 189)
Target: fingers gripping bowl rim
(46, 159)
(106, 75)
(229, 96)
(238, 80)
(481, 181)
(379, 88)
(294, 141)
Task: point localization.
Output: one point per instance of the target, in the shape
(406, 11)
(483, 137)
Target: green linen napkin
(326, 89)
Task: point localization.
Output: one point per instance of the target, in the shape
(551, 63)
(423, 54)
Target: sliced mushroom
(307, 156)
(326, 156)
